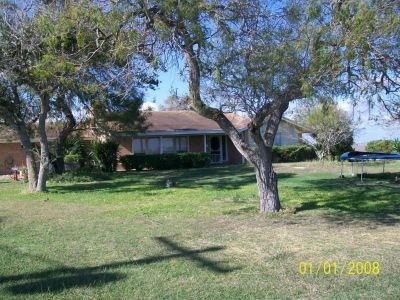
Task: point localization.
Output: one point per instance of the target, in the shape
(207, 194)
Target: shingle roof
(188, 121)
(8, 135)
(160, 122)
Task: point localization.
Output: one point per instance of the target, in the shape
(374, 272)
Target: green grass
(129, 237)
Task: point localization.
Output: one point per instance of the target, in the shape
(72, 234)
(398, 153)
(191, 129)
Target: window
(224, 150)
(153, 146)
(138, 146)
(181, 144)
(168, 145)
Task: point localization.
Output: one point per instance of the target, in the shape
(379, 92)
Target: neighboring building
(168, 132)
(289, 133)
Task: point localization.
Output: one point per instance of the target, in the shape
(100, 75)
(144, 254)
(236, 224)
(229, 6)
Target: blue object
(354, 156)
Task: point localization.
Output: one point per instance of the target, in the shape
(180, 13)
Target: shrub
(396, 145)
(84, 174)
(165, 161)
(293, 153)
(194, 160)
(131, 162)
(105, 155)
(72, 158)
(162, 161)
(76, 151)
(380, 146)
(71, 162)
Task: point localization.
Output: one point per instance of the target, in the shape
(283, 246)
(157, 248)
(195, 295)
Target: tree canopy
(333, 129)
(57, 57)
(257, 56)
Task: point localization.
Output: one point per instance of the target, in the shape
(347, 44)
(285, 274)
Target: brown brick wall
(234, 157)
(125, 145)
(14, 151)
(125, 148)
(196, 143)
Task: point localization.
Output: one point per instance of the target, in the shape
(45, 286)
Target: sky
(366, 128)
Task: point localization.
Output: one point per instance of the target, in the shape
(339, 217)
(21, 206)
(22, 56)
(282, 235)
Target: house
(167, 132)
(184, 131)
(11, 150)
(289, 133)
(187, 131)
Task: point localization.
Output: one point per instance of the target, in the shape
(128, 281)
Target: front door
(217, 149)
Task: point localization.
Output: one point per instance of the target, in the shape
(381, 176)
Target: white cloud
(149, 106)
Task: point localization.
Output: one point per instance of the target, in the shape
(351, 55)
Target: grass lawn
(129, 237)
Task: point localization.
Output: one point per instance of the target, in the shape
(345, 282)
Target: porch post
(205, 143)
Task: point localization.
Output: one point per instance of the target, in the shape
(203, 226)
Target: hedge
(165, 161)
(293, 153)
(382, 146)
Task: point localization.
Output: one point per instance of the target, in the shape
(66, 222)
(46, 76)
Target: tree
(16, 113)
(333, 129)
(371, 34)
(55, 53)
(175, 102)
(18, 102)
(257, 57)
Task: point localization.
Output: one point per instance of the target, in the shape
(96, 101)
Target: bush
(293, 153)
(76, 151)
(193, 160)
(165, 161)
(105, 155)
(72, 158)
(381, 146)
(131, 162)
(84, 174)
(396, 145)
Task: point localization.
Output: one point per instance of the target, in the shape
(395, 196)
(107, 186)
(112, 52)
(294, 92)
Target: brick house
(184, 131)
(168, 132)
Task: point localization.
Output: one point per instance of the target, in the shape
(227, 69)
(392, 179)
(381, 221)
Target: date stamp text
(335, 268)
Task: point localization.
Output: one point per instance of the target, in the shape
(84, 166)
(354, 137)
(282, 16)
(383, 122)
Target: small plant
(24, 173)
(105, 155)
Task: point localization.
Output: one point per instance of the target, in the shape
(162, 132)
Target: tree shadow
(348, 199)
(56, 280)
(227, 178)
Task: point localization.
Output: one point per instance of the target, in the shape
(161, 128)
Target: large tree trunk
(44, 145)
(260, 159)
(30, 156)
(68, 126)
(267, 186)
(13, 115)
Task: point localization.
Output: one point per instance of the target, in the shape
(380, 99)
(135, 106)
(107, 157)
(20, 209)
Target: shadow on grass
(218, 178)
(348, 199)
(62, 278)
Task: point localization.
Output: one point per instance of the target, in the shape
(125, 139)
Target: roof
(299, 127)
(159, 123)
(187, 122)
(53, 129)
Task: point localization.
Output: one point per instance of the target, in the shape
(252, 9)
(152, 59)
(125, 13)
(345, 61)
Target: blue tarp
(354, 156)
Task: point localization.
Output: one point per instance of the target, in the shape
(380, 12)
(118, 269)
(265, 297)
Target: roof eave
(179, 132)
